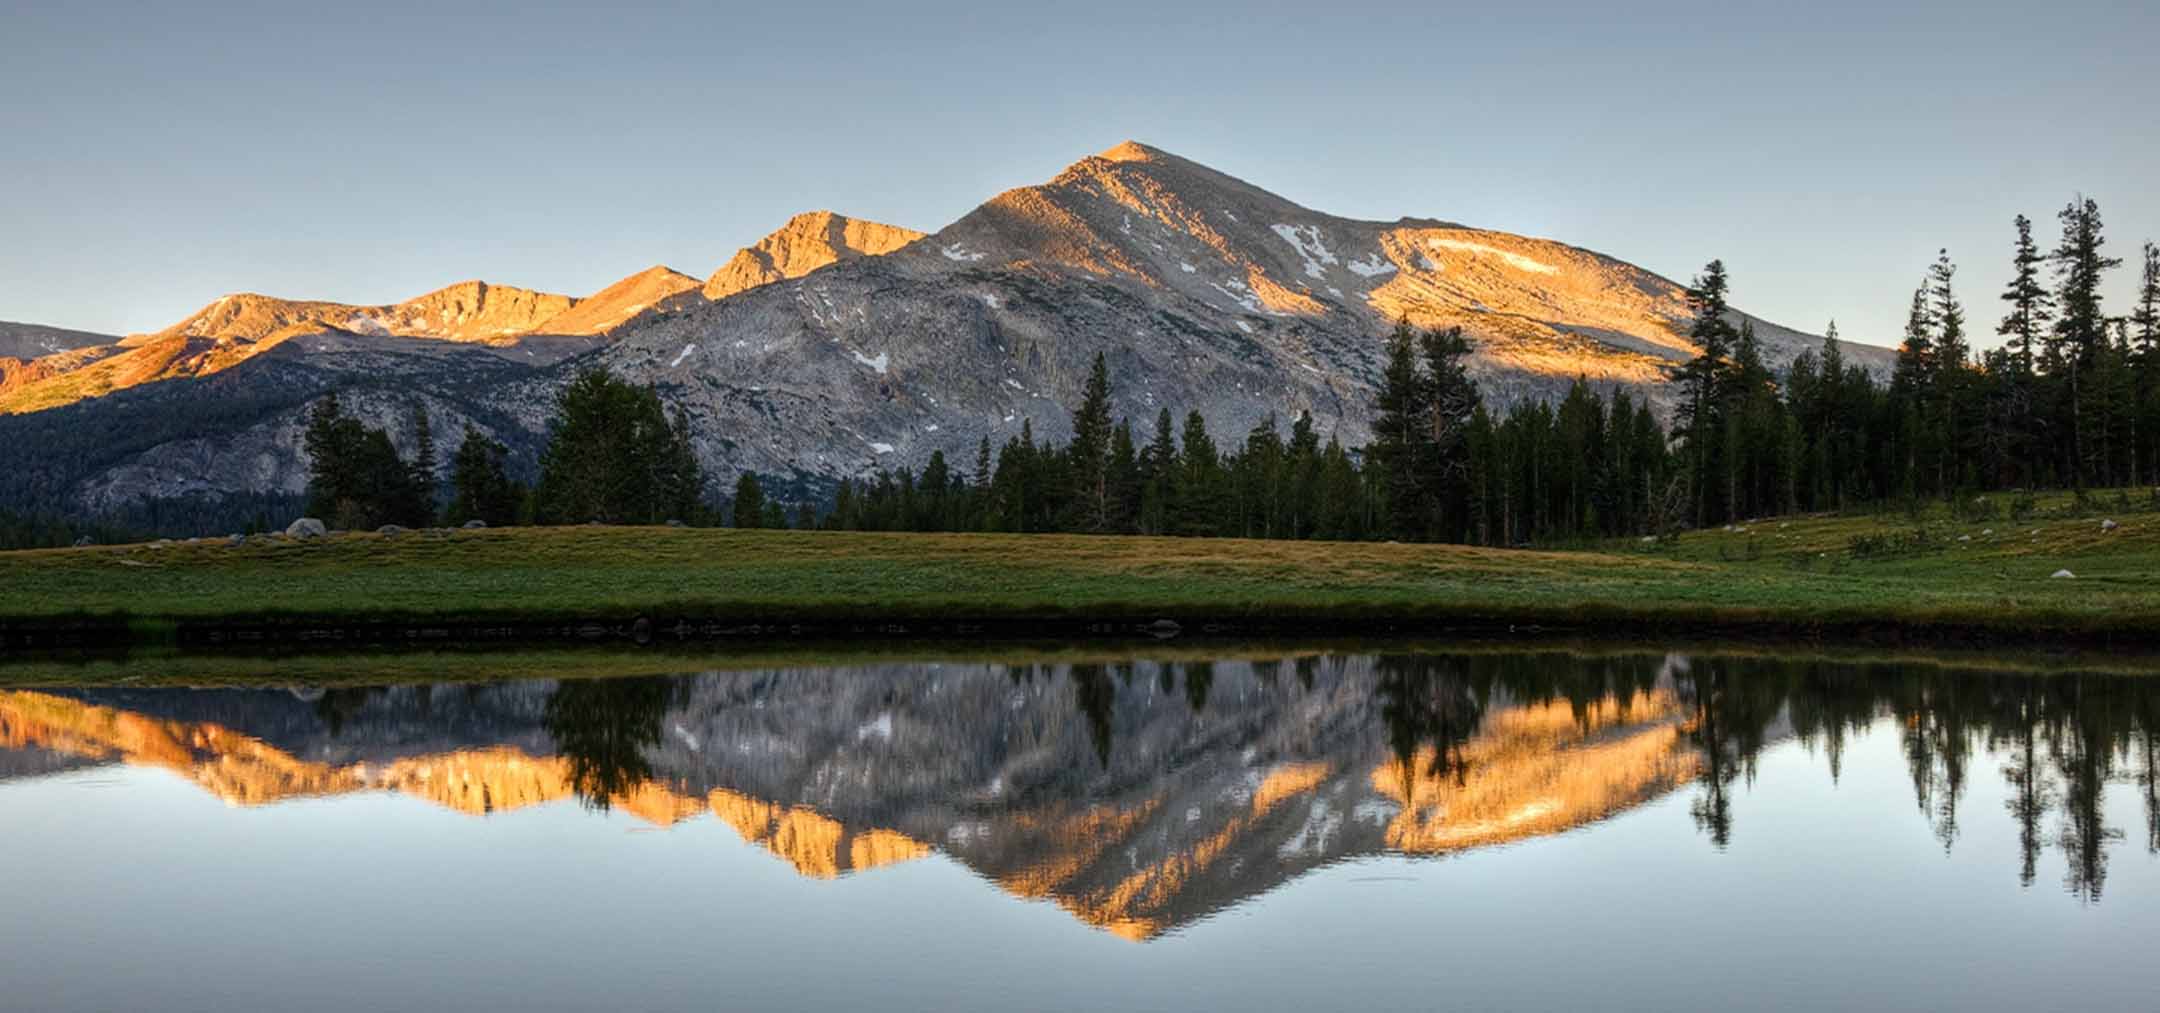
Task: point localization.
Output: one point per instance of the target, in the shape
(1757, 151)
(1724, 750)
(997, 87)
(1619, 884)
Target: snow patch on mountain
(1373, 267)
(361, 323)
(1321, 824)
(1305, 239)
(879, 727)
(1242, 296)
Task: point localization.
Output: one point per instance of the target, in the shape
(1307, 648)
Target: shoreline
(765, 628)
(347, 663)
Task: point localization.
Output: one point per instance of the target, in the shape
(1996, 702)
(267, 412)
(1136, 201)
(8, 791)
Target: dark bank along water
(1544, 831)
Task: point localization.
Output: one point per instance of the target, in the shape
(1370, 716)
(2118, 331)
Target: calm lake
(1192, 831)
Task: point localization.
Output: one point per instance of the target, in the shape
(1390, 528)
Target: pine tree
(330, 450)
(681, 480)
(1911, 395)
(2023, 427)
(356, 480)
(1915, 368)
(980, 507)
(1343, 511)
(2031, 307)
(1159, 467)
(1827, 423)
(2115, 390)
(749, 501)
(932, 494)
(2145, 317)
(1400, 435)
(1953, 424)
(1199, 491)
(1089, 453)
(1124, 480)
(482, 489)
(1703, 381)
(2080, 331)
(614, 456)
(1303, 494)
(1450, 397)
(1952, 352)
(423, 468)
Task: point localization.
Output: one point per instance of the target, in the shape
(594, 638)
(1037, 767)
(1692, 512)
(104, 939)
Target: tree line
(2071, 400)
(614, 455)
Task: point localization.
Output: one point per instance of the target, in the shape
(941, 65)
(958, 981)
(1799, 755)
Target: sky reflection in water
(1640, 830)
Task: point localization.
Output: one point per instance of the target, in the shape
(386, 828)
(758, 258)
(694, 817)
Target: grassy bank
(1807, 574)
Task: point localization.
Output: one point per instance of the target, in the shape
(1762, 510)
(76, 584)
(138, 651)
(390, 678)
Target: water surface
(1318, 831)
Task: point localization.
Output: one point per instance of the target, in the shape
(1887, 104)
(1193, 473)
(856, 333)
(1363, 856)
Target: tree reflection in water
(2064, 738)
(1417, 752)
(602, 728)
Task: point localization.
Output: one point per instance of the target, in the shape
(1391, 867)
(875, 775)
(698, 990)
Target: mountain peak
(808, 241)
(1131, 151)
(609, 308)
(661, 271)
(809, 221)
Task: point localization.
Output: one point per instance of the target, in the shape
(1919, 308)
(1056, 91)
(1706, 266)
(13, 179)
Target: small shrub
(1974, 508)
(1891, 544)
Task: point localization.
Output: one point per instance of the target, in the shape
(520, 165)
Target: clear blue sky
(159, 155)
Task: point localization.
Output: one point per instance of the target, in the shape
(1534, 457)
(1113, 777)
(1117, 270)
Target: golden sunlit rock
(1538, 769)
(807, 242)
(615, 305)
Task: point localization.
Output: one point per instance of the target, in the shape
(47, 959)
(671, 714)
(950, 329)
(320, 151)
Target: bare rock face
(807, 242)
(24, 342)
(240, 429)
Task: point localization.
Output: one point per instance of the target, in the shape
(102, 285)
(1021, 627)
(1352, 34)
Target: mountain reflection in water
(1141, 796)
